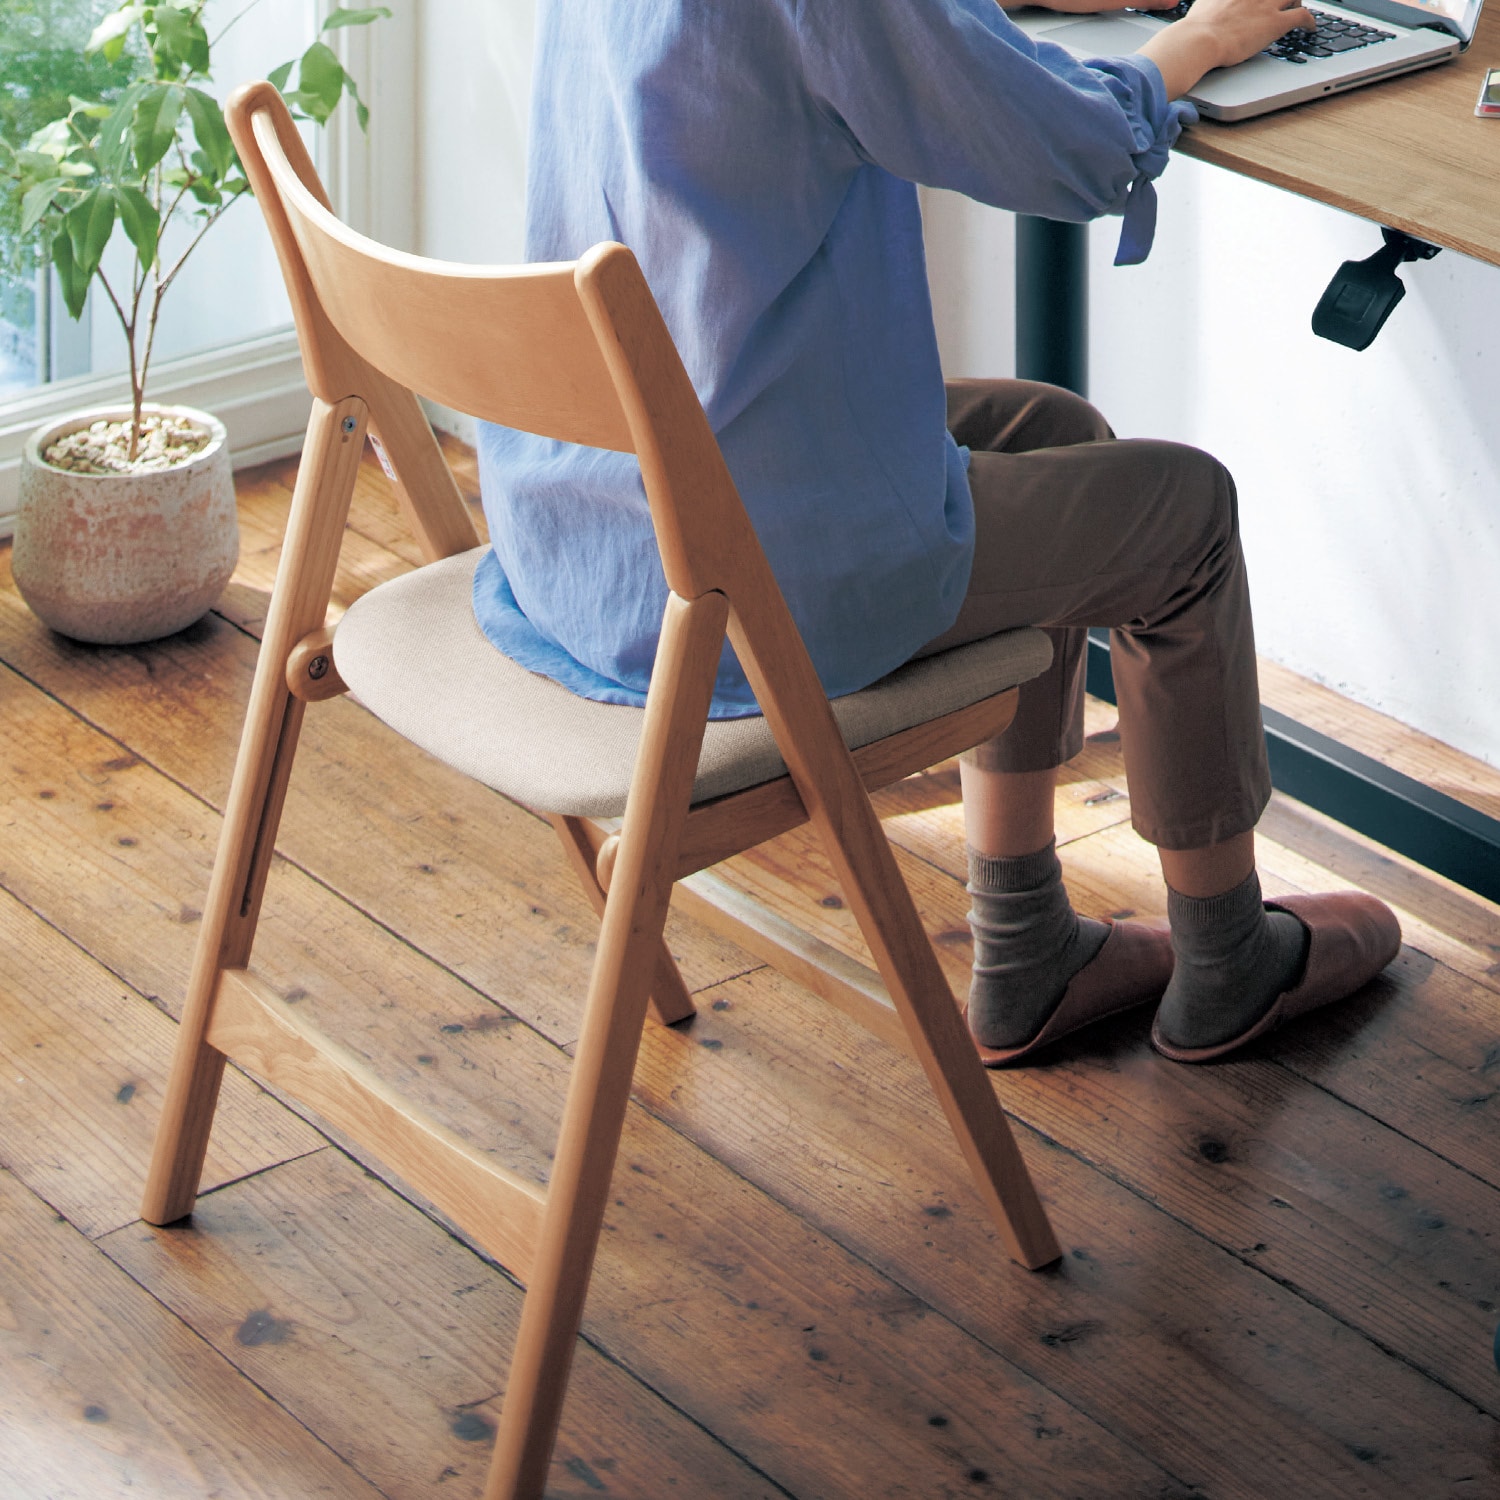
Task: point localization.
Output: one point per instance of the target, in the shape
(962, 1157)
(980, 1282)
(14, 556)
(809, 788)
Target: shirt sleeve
(951, 94)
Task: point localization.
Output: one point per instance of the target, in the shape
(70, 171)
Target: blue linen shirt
(759, 157)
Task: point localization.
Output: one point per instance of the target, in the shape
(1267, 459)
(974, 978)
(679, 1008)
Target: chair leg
(426, 491)
(577, 1195)
(671, 1000)
(882, 903)
(268, 744)
(635, 913)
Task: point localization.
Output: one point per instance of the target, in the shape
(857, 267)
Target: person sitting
(760, 159)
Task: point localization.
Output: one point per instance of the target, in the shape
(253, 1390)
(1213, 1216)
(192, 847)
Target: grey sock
(1233, 959)
(1028, 943)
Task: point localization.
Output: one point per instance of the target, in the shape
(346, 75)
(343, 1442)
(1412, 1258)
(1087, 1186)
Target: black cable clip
(1364, 293)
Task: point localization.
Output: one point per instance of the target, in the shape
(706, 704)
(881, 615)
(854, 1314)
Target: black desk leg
(1052, 303)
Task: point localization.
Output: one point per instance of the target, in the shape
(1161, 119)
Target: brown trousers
(1075, 528)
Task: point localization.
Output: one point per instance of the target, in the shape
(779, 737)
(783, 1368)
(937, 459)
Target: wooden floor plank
(390, 1339)
(1424, 1064)
(844, 1130)
(107, 1396)
(83, 1061)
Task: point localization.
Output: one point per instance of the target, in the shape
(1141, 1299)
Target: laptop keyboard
(1335, 34)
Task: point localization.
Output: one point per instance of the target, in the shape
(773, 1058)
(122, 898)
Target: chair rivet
(317, 667)
(350, 424)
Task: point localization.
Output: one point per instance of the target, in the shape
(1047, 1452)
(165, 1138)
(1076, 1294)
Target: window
(225, 340)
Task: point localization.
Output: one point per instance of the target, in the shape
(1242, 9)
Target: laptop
(1357, 41)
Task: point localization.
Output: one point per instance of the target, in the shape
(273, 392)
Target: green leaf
(142, 222)
(277, 77)
(88, 108)
(361, 109)
(210, 131)
(75, 168)
(320, 81)
(111, 145)
(75, 288)
(155, 126)
(37, 201)
(356, 17)
(109, 34)
(90, 223)
(180, 39)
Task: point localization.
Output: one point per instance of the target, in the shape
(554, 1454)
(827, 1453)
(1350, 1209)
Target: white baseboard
(256, 389)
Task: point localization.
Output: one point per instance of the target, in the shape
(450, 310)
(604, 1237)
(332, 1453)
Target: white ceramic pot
(117, 558)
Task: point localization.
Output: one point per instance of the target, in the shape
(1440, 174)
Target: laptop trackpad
(1116, 37)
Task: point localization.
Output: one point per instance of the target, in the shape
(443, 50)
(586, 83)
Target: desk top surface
(1409, 152)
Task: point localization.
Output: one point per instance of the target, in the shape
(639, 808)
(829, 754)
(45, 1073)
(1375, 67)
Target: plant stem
(137, 379)
(234, 21)
(163, 282)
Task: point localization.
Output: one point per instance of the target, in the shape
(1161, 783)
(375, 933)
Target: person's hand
(1219, 33)
(1245, 27)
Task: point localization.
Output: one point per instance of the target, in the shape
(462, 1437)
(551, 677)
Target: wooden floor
(1281, 1274)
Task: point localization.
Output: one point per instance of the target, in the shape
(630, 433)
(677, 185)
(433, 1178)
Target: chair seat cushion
(412, 653)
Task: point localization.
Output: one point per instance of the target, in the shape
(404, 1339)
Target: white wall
(473, 93)
(474, 87)
(1369, 483)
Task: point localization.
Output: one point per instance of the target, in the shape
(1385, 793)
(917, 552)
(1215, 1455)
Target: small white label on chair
(385, 462)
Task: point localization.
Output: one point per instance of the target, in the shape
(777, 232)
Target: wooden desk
(1409, 153)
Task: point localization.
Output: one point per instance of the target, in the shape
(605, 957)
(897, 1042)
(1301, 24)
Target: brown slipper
(1132, 968)
(1353, 937)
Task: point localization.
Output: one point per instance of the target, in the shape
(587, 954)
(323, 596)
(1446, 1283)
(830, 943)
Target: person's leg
(1141, 537)
(1028, 941)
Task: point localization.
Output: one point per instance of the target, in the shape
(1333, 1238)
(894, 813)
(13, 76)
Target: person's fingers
(1299, 17)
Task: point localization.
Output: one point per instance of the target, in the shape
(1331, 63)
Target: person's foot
(1347, 939)
(1028, 943)
(1233, 959)
(1130, 969)
(1040, 970)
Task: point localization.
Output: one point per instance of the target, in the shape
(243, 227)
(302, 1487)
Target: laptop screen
(1457, 17)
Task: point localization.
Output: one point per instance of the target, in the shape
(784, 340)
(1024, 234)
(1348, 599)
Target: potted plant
(126, 526)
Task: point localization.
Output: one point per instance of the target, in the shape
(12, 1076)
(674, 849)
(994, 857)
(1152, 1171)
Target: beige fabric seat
(412, 653)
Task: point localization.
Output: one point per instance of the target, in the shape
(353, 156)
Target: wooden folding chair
(577, 352)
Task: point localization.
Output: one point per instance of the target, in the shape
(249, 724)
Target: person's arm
(951, 94)
(1218, 33)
